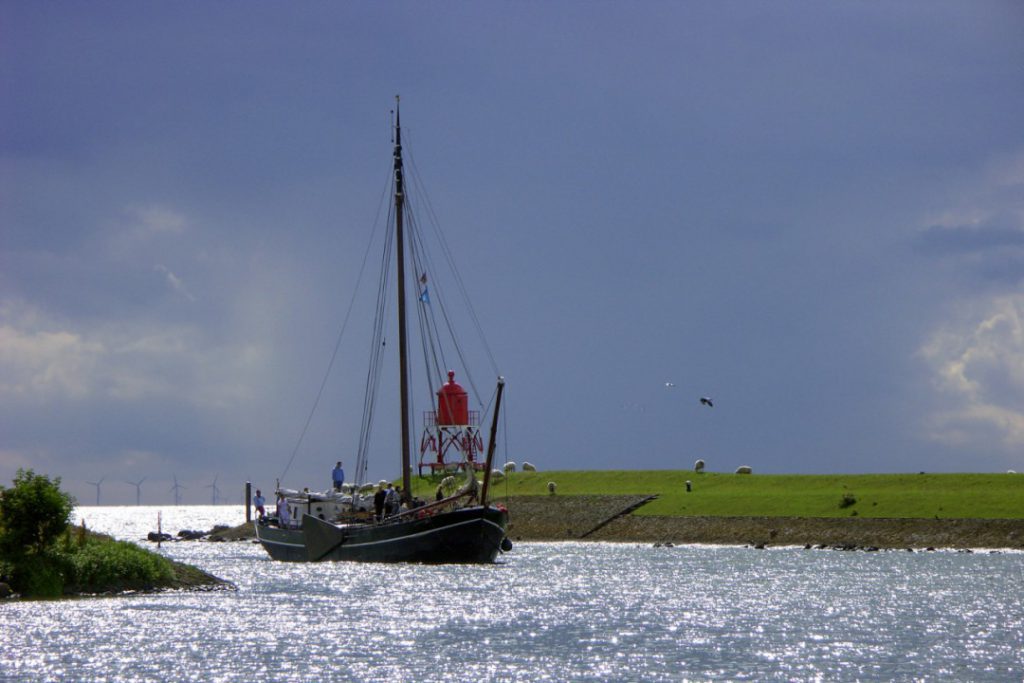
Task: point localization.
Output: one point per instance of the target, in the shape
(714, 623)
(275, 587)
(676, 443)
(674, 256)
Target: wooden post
(248, 502)
(490, 444)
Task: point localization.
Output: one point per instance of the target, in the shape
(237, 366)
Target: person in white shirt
(283, 515)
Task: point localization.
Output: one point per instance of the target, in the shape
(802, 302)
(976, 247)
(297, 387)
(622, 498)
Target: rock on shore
(187, 577)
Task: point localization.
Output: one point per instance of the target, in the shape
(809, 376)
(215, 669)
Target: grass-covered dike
(43, 556)
(840, 511)
(718, 494)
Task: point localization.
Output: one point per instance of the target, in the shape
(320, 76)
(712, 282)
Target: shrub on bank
(102, 564)
(41, 556)
(32, 514)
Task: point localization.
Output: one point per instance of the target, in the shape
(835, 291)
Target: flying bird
(669, 384)
(705, 401)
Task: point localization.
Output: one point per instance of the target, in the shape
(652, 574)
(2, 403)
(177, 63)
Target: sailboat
(460, 527)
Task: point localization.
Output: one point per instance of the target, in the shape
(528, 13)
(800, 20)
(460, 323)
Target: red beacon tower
(451, 434)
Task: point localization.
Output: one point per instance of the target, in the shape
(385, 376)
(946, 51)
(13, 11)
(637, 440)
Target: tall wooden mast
(403, 360)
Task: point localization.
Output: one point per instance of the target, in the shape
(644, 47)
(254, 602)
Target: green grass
(83, 562)
(946, 496)
(102, 564)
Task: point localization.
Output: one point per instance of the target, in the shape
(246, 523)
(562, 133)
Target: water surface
(546, 611)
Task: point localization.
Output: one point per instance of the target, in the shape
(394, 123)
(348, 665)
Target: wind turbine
(138, 489)
(215, 491)
(177, 490)
(97, 485)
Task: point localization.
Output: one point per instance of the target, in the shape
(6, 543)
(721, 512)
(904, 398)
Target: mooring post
(248, 502)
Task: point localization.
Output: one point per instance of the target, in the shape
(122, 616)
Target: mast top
(399, 179)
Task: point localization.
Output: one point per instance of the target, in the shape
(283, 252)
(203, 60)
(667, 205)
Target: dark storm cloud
(710, 192)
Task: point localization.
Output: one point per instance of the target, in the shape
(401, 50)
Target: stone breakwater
(608, 518)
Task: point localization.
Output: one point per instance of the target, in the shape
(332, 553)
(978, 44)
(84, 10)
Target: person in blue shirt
(338, 475)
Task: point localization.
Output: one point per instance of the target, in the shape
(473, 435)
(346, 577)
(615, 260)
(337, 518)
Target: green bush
(42, 575)
(41, 556)
(32, 514)
(38, 575)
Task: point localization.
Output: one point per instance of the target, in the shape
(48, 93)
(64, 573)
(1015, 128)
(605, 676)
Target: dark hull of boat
(468, 535)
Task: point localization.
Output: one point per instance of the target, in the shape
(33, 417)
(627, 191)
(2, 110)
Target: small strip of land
(617, 519)
(565, 518)
(910, 510)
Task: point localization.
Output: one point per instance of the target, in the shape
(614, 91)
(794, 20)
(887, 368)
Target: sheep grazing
(551, 487)
(510, 467)
(744, 469)
(698, 466)
(528, 467)
(497, 474)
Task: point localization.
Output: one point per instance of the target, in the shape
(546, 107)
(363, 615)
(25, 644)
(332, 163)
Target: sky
(812, 213)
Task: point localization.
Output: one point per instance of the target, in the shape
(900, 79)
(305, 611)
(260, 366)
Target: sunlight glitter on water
(547, 611)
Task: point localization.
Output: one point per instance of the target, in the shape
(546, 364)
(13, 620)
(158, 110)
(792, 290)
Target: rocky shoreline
(607, 518)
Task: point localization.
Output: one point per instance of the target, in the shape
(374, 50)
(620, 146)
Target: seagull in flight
(669, 384)
(705, 401)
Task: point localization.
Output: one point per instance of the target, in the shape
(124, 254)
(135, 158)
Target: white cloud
(40, 363)
(993, 191)
(976, 354)
(174, 281)
(156, 220)
(977, 362)
(145, 232)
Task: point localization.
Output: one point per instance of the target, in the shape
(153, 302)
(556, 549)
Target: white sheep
(698, 466)
(510, 467)
(497, 474)
(744, 469)
(529, 467)
(551, 487)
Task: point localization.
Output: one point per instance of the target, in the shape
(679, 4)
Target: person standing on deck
(338, 476)
(378, 503)
(283, 514)
(258, 502)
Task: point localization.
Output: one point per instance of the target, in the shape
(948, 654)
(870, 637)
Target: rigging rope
(446, 250)
(438, 294)
(377, 345)
(337, 343)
